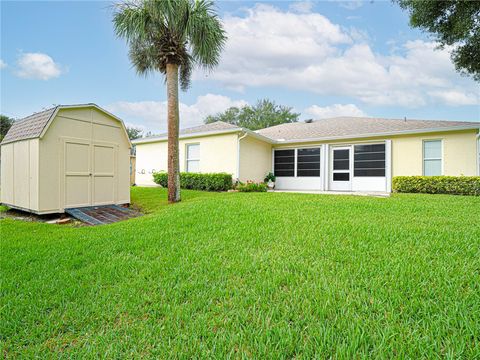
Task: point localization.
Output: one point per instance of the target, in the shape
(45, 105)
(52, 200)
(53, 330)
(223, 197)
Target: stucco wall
(218, 153)
(459, 153)
(255, 159)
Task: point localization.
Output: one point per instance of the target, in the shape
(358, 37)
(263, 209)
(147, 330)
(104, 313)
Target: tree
(134, 133)
(171, 37)
(5, 125)
(263, 114)
(454, 23)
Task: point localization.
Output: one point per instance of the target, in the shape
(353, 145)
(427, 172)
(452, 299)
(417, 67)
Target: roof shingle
(29, 127)
(354, 127)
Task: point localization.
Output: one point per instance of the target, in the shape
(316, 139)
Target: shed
(65, 157)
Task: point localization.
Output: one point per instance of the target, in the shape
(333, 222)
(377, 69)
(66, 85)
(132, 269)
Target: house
(338, 154)
(65, 157)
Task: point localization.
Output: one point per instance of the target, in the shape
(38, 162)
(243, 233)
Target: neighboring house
(338, 154)
(65, 157)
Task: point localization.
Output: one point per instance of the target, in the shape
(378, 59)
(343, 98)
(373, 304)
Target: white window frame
(187, 159)
(424, 158)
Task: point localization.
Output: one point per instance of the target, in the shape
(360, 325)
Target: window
(432, 157)
(369, 160)
(193, 157)
(308, 162)
(284, 163)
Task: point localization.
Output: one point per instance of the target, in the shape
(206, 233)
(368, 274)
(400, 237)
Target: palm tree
(171, 37)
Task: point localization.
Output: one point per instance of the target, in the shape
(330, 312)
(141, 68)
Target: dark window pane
(308, 172)
(284, 166)
(341, 176)
(341, 154)
(290, 152)
(370, 156)
(341, 164)
(281, 173)
(369, 148)
(307, 166)
(376, 164)
(369, 172)
(315, 151)
(309, 158)
(284, 159)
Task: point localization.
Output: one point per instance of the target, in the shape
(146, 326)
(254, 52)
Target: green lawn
(249, 275)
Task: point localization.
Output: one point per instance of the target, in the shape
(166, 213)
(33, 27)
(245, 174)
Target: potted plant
(270, 180)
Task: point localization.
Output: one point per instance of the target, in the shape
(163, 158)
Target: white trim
(478, 155)
(388, 165)
(441, 154)
(186, 156)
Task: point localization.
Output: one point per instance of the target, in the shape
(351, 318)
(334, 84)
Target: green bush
(198, 181)
(252, 187)
(453, 185)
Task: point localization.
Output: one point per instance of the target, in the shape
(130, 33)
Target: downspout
(238, 154)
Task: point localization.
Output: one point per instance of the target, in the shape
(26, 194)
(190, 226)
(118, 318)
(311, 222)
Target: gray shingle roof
(218, 126)
(30, 127)
(355, 127)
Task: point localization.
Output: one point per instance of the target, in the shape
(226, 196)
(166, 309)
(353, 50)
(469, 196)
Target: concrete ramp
(101, 215)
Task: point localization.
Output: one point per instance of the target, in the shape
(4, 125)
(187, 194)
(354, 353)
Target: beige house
(65, 157)
(338, 154)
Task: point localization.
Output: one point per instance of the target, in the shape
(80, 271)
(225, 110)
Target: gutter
(238, 154)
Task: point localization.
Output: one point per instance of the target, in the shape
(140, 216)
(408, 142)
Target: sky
(322, 58)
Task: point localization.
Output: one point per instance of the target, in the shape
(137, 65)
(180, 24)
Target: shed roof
(351, 127)
(32, 126)
(29, 127)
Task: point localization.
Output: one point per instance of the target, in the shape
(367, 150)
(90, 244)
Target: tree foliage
(134, 133)
(454, 23)
(5, 125)
(263, 114)
(160, 32)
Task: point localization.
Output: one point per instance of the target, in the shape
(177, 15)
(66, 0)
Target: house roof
(351, 127)
(29, 127)
(218, 127)
(33, 126)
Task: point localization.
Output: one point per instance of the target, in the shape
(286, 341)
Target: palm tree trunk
(173, 125)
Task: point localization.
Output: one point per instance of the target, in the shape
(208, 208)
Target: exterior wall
(218, 153)
(255, 159)
(86, 124)
(459, 153)
(20, 174)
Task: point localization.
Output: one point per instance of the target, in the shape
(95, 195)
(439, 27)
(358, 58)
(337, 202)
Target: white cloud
(308, 52)
(318, 112)
(2, 64)
(351, 5)
(37, 66)
(152, 115)
(456, 97)
(302, 7)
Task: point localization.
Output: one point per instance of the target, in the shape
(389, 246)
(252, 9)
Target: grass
(249, 275)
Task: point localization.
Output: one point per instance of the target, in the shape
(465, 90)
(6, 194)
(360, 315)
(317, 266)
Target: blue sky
(324, 59)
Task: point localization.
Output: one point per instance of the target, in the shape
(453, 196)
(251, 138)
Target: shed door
(103, 174)
(78, 184)
(90, 173)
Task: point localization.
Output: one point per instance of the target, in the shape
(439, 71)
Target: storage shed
(65, 157)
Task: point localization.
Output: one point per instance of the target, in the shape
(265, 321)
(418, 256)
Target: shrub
(250, 186)
(269, 177)
(198, 181)
(453, 185)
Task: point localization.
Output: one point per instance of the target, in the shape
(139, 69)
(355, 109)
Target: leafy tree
(5, 125)
(263, 114)
(134, 133)
(454, 23)
(171, 37)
